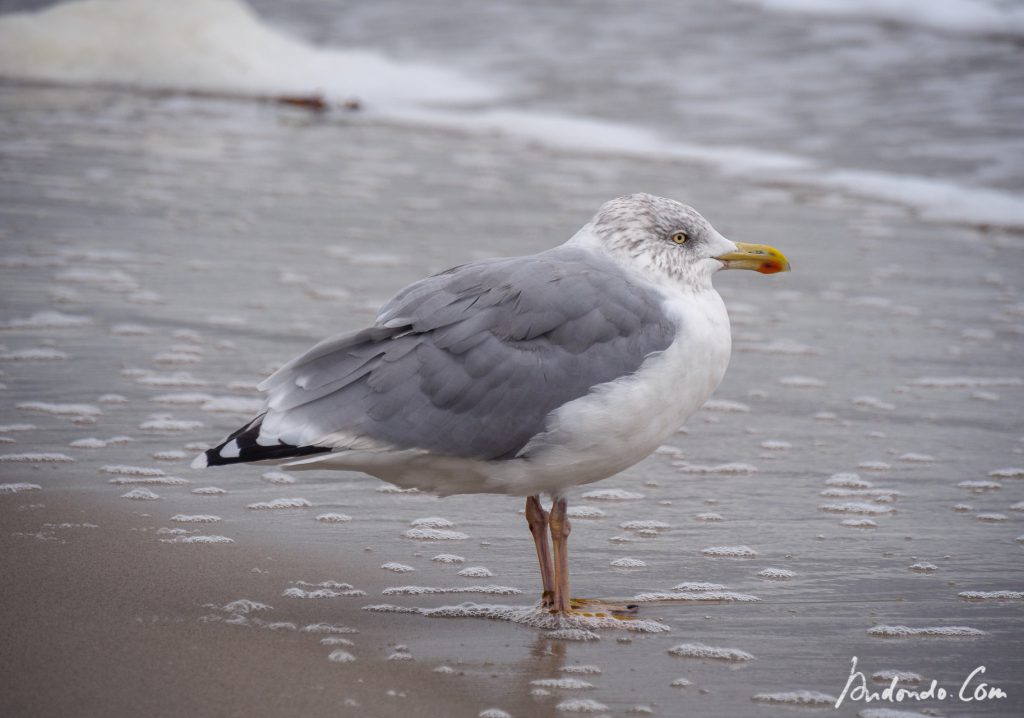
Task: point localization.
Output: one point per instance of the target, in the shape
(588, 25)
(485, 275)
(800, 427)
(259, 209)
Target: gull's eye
(679, 237)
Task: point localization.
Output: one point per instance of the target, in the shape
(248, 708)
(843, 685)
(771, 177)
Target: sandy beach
(853, 489)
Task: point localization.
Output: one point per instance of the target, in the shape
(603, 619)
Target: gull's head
(662, 236)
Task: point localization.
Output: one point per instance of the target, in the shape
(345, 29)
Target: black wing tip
(242, 447)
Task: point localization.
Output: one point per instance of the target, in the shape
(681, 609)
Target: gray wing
(470, 362)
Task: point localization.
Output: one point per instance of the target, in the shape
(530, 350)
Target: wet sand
(195, 246)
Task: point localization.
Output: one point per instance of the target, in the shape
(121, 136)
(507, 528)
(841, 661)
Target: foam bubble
(584, 669)
(581, 635)
(165, 424)
(11, 428)
(991, 517)
(1012, 472)
(710, 516)
(698, 586)
(855, 507)
(396, 567)
(774, 445)
(336, 592)
(195, 518)
(730, 469)
(859, 523)
(584, 512)
(340, 655)
(432, 522)
(476, 572)
(696, 597)
(333, 518)
(534, 616)
(979, 485)
(581, 705)
(209, 491)
(494, 713)
(928, 631)
(141, 495)
(874, 466)
(43, 407)
(644, 525)
(992, 595)
(448, 558)
(181, 397)
(200, 540)
(906, 678)
(172, 455)
(796, 698)
(278, 477)
(776, 574)
(729, 552)
(966, 382)
(421, 534)
(122, 470)
(626, 562)
(34, 354)
(802, 382)
(279, 504)
(702, 651)
(49, 457)
(47, 320)
(913, 458)
(17, 488)
(726, 406)
(492, 590)
(147, 481)
(568, 684)
(923, 567)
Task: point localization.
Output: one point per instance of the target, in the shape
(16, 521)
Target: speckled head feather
(641, 226)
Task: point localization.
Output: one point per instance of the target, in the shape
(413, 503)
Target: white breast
(623, 421)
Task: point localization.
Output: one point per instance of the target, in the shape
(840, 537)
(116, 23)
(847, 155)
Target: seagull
(521, 376)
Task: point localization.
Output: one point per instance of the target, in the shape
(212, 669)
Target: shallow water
(200, 244)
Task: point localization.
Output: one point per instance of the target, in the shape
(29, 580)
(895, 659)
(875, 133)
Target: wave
(222, 46)
(208, 46)
(964, 17)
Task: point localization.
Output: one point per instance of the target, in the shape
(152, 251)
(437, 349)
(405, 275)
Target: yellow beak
(759, 257)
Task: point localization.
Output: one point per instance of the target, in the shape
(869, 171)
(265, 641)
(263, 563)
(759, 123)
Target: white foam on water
(709, 516)
(992, 595)
(494, 713)
(333, 628)
(681, 683)
(923, 567)
(141, 495)
(17, 488)
(856, 507)
(776, 445)
(297, 503)
(730, 469)
(581, 705)
(422, 534)
(966, 382)
(627, 562)
(340, 655)
(476, 572)
(448, 558)
(73, 410)
(195, 518)
(714, 653)
(181, 398)
(584, 670)
(48, 457)
(492, 590)
(872, 402)
(278, 477)
(611, 495)
(568, 684)
(906, 678)
(334, 518)
(178, 379)
(696, 597)
(209, 491)
(397, 567)
(130, 330)
(859, 523)
(644, 525)
(389, 489)
(969, 17)
(913, 458)
(729, 552)
(208, 45)
(11, 428)
(979, 485)
(584, 512)
(776, 574)
(1011, 472)
(698, 586)
(580, 635)
(163, 424)
(726, 406)
(796, 698)
(296, 592)
(432, 522)
(802, 382)
(992, 517)
(171, 455)
(1019, 506)
(874, 466)
(149, 481)
(533, 616)
(122, 470)
(927, 631)
(207, 540)
(891, 713)
(245, 606)
(89, 443)
(47, 320)
(333, 640)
